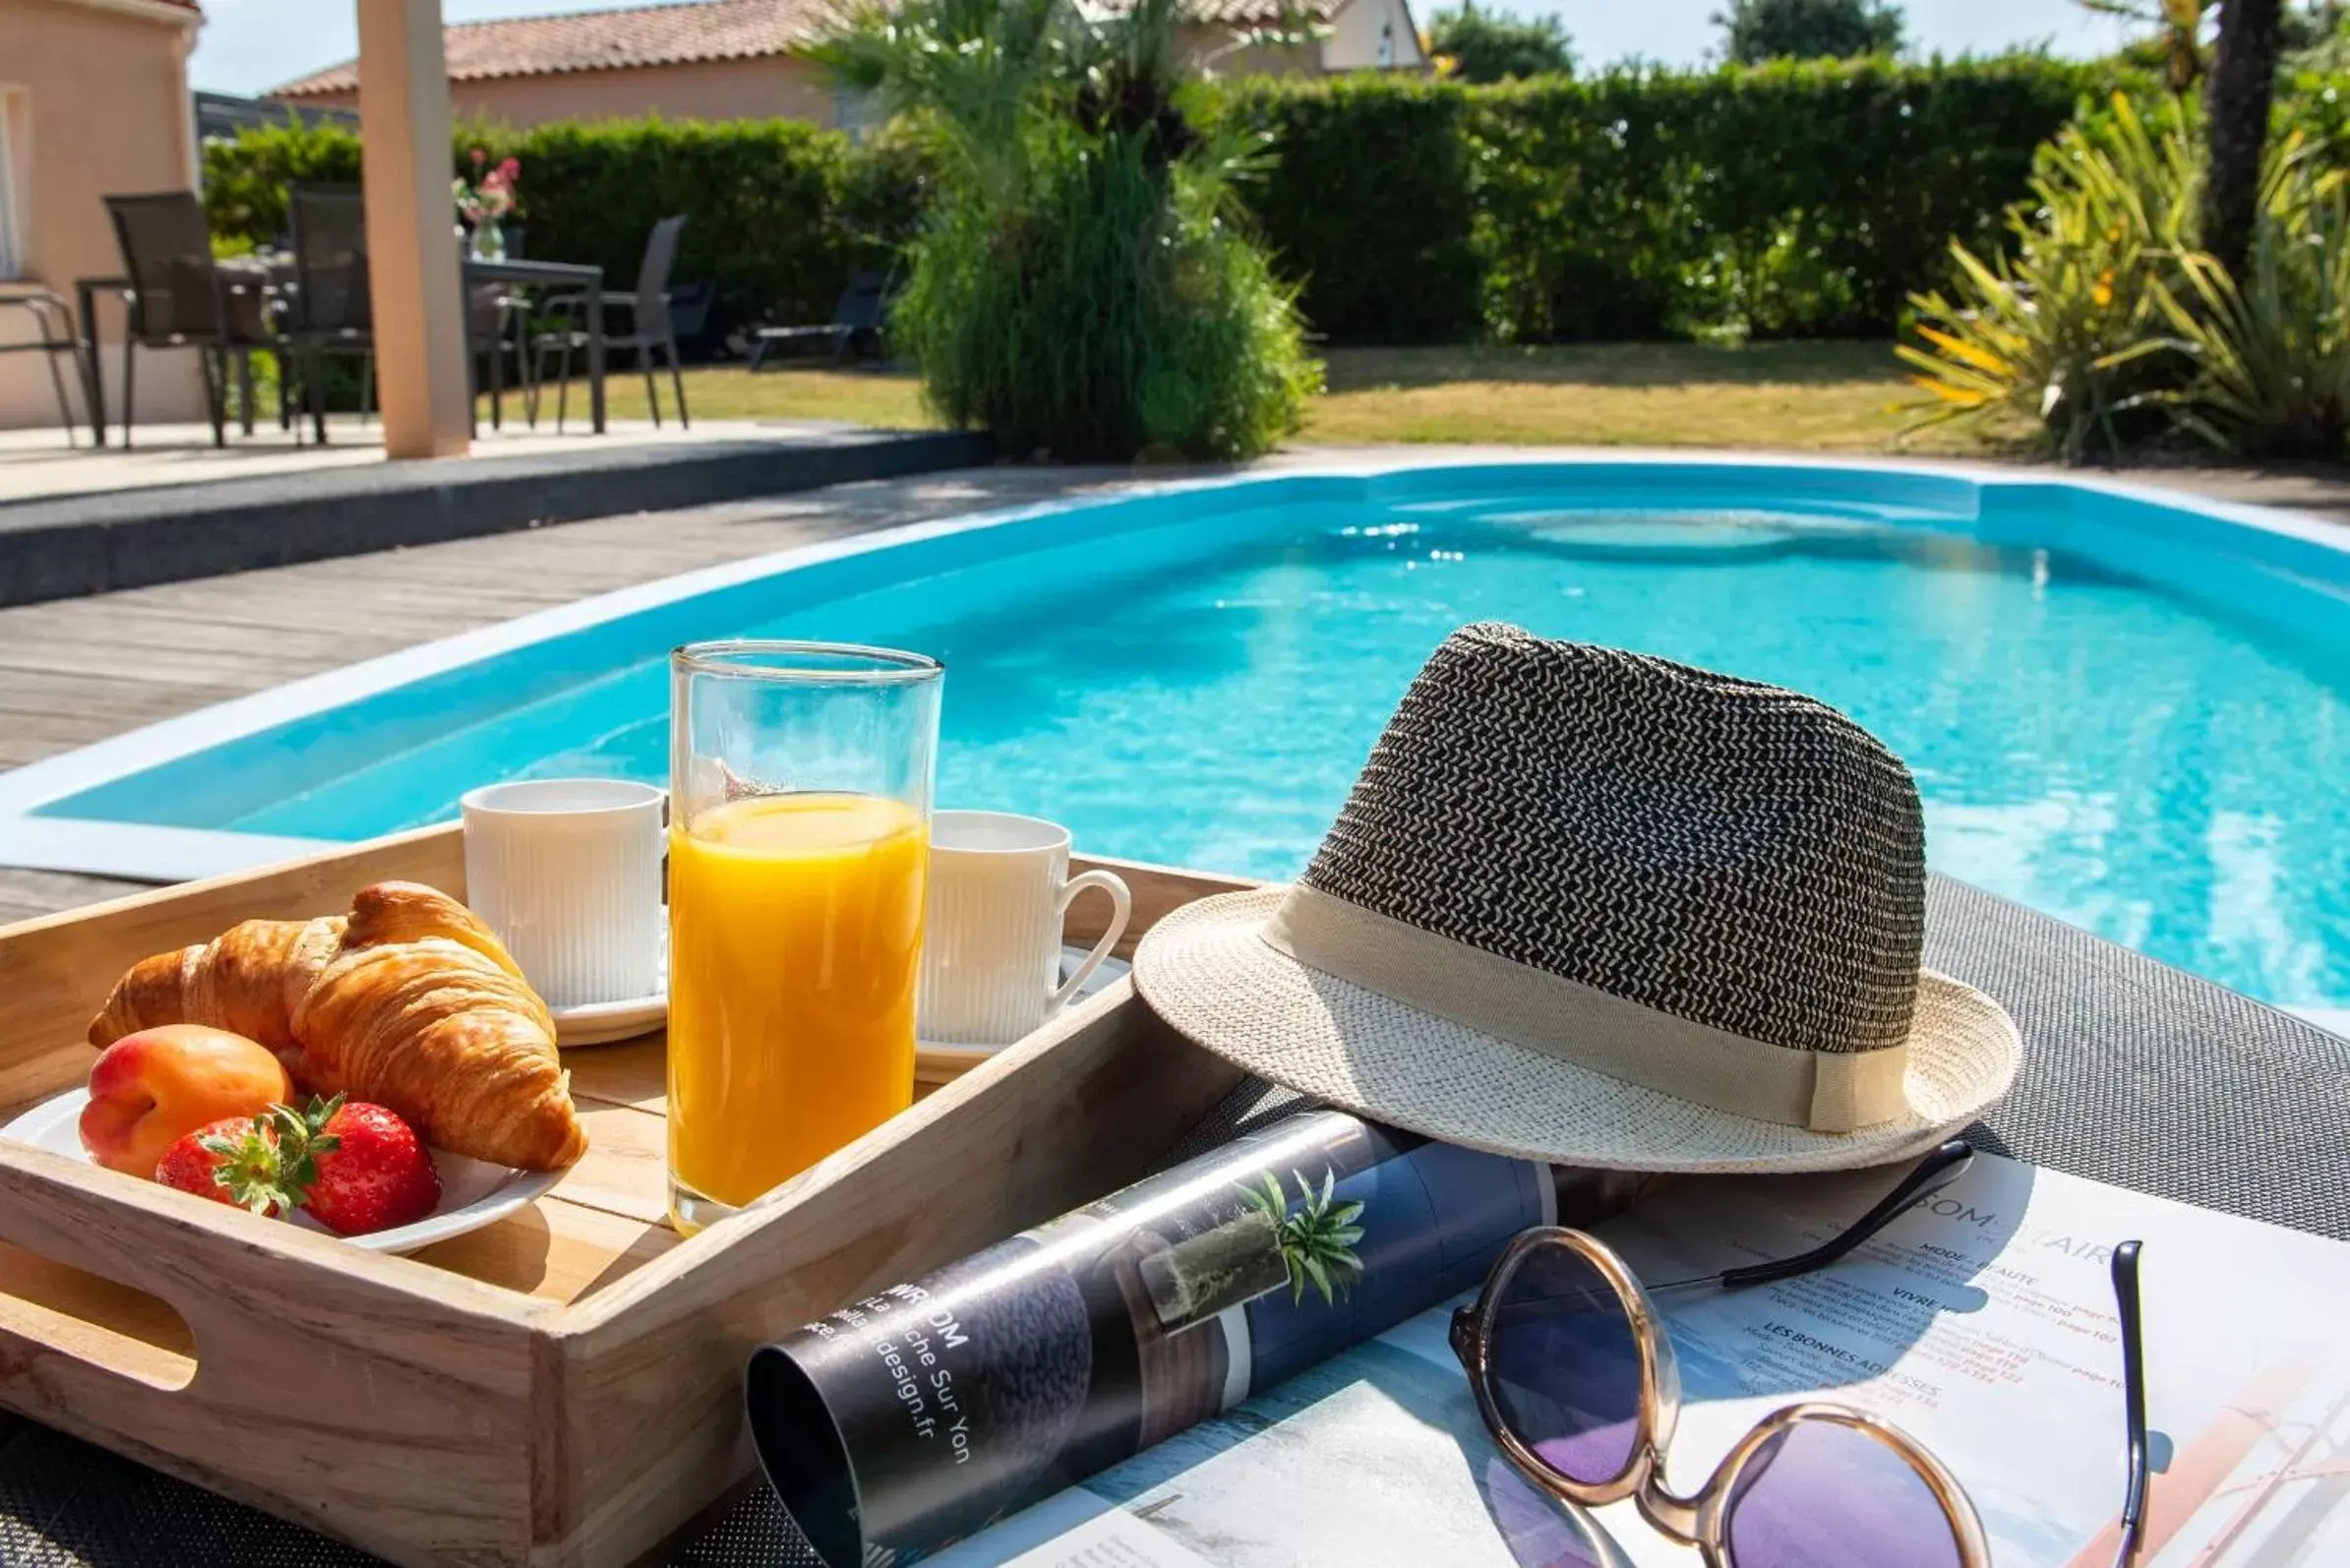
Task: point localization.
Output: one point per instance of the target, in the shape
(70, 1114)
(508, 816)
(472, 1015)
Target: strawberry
(234, 1160)
(357, 1167)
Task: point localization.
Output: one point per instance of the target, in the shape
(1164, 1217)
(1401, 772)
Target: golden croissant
(409, 1002)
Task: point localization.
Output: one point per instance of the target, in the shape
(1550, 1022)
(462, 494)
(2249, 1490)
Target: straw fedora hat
(1600, 909)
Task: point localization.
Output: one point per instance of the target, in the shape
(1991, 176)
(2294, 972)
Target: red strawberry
(231, 1161)
(357, 1167)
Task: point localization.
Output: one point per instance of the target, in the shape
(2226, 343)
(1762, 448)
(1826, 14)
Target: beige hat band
(1822, 1091)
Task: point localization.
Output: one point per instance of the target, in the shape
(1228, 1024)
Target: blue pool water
(2166, 774)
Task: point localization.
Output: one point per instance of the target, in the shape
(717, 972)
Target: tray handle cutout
(86, 1290)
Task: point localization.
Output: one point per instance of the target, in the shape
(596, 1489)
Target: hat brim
(1208, 972)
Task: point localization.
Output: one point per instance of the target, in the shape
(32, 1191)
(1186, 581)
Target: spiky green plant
(2272, 353)
(2068, 333)
(1317, 1239)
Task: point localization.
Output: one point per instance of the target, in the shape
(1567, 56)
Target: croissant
(249, 981)
(410, 1002)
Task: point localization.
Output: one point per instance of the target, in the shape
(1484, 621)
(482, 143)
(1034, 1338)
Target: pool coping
(69, 546)
(142, 851)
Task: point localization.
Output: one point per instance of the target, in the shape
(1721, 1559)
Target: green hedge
(1797, 199)
(1370, 200)
(781, 211)
(1794, 198)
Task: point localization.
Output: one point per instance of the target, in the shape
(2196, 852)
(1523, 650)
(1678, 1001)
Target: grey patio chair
(176, 296)
(650, 328)
(326, 308)
(53, 328)
(857, 321)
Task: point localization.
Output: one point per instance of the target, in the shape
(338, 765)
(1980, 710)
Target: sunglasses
(1576, 1380)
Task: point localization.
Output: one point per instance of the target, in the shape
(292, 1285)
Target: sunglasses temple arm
(2134, 1401)
(1934, 1172)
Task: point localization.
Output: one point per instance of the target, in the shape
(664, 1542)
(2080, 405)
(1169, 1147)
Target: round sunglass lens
(1824, 1495)
(1564, 1366)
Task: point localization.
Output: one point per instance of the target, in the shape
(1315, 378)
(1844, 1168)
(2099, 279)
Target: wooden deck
(79, 670)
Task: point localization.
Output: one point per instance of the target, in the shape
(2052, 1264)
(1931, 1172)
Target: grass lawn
(729, 392)
(1833, 396)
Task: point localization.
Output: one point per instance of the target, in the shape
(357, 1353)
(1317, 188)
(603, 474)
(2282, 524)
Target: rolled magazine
(905, 1421)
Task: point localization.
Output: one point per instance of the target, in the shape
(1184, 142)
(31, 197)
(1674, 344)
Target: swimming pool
(2127, 712)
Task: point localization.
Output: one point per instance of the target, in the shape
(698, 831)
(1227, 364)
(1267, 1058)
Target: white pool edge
(152, 852)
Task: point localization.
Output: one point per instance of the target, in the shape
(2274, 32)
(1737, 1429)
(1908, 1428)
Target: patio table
(587, 278)
(2134, 1073)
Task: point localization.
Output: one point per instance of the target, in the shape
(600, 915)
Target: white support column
(413, 256)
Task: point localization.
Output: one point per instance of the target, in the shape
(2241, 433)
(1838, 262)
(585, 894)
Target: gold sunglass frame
(1701, 1520)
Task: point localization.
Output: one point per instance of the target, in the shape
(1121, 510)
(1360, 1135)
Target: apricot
(151, 1089)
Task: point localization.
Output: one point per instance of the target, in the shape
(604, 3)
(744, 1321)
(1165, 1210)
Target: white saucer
(473, 1193)
(602, 1022)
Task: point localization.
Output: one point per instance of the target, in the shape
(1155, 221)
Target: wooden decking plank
(73, 672)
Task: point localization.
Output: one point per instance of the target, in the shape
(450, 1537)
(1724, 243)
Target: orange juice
(793, 950)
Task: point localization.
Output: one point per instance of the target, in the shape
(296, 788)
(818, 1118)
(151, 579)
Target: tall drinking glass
(798, 843)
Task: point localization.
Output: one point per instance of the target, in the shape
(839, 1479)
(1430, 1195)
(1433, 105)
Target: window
(1386, 44)
(12, 206)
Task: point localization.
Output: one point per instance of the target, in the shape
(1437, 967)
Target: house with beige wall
(94, 102)
(747, 59)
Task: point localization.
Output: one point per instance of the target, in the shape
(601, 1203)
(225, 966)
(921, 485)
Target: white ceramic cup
(568, 872)
(990, 949)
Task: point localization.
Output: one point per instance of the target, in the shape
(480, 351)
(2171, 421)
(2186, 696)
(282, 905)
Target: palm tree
(2180, 32)
(2236, 120)
(2236, 98)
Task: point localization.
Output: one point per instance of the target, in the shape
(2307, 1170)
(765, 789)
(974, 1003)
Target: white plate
(473, 1193)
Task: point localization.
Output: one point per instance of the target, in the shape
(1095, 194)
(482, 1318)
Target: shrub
(2108, 317)
(1787, 200)
(2270, 355)
(1794, 198)
(1079, 284)
(1369, 205)
(1804, 30)
(1489, 46)
(245, 180)
(782, 211)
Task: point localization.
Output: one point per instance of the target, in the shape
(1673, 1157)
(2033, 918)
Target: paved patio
(76, 671)
(35, 465)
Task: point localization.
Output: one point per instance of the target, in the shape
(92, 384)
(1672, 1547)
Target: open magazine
(1243, 1362)
(1982, 1323)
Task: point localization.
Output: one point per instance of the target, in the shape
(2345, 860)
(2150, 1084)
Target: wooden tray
(564, 1387)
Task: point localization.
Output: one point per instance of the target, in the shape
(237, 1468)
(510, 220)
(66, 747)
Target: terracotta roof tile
(1252, 13)
(605, 40)
(703, 29)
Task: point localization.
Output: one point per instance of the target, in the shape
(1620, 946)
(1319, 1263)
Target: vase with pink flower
(485, 200)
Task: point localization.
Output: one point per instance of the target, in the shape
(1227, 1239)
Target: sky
(252, 45)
